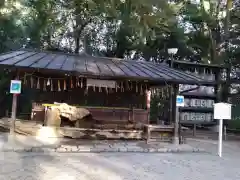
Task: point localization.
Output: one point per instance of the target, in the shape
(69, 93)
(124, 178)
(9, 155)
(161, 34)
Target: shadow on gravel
(24, 165)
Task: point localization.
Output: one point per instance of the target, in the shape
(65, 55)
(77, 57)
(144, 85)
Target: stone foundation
(36, 129)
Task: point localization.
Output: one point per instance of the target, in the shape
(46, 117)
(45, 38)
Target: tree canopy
(202, 30)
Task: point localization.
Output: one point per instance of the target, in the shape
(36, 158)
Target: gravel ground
(122, 166)
(125, 166)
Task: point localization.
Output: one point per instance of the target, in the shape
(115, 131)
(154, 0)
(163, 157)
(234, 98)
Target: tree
(135, 27)
(11, 30)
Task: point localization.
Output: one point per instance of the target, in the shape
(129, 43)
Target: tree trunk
(228, 61)
(77, 45)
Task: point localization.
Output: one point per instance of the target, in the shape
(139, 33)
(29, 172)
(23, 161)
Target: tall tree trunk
(213, 49)
(228, 62)
(77, 45)
(78, 32)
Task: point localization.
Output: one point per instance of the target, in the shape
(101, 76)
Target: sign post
(179, 103)
(221, 111)
(15, 89)
(220, 137)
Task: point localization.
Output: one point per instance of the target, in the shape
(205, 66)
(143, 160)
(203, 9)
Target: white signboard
(15, 87)
(101, 83)
(180, 101)
(222, 111)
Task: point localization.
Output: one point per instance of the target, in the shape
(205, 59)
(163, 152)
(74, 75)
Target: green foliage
(121, 28)
(234, 124)
(10, 30)
(207, 31)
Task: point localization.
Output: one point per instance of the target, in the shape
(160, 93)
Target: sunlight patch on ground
(47, 135)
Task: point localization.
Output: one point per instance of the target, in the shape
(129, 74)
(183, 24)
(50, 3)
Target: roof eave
(107, 77)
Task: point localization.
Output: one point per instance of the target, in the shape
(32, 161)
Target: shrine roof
(99, 67)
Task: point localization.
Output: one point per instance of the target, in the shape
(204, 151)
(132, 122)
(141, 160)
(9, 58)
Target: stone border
(81, 149)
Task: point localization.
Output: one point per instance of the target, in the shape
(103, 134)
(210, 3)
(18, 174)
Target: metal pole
(220, 138)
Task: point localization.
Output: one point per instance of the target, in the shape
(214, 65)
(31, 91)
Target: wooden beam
(14, 109)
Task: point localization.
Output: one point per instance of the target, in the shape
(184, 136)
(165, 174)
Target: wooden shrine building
(113, 90)
(199, 102)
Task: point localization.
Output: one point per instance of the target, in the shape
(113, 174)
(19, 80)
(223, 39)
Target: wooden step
(117, 126)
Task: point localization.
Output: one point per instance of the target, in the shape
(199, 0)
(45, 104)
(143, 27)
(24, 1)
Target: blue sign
(15, 87)
(180, 101)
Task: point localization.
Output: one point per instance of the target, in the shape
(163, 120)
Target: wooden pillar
(148, 134)
(148, 100)
(45, 116)
(194, 129)
(6, 113)
(132, 112)
(175, 113)
(174, 97)
(171, 121)
(225, 133)
(14, 111)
